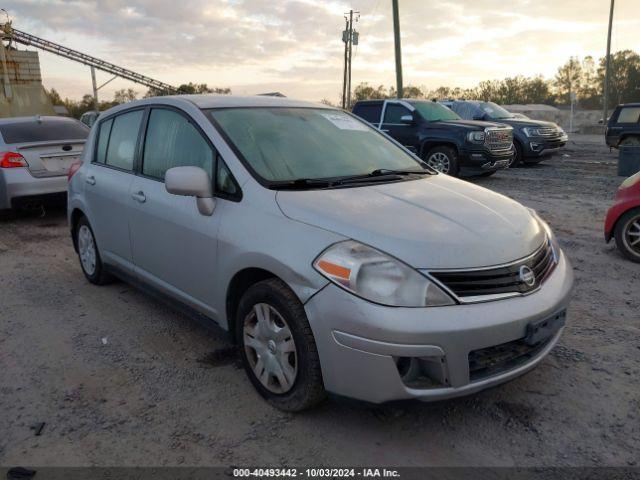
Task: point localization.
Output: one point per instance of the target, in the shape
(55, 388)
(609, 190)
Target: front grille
(490, 361)
(504, 279)
(549, 132)
(499, 139)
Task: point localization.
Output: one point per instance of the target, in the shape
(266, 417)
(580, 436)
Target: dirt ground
(120, 380)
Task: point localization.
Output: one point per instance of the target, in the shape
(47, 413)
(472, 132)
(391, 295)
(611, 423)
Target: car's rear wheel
(89, 256)
(627, 234)
(443, 159)
(632, 140)
(277, 347)
(516, 161)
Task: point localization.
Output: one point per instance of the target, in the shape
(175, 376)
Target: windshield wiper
(300, 184)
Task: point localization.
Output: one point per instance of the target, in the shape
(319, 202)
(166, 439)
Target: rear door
(49, 145)
(174, 246)
(405, 133)
(108, 189)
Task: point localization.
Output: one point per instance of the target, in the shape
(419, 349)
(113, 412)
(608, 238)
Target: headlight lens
(555, 246)
(476, 137)
(531, 131)
(378, 277)
(631, 181)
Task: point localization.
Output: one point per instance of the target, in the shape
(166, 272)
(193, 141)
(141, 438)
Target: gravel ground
(120, 380)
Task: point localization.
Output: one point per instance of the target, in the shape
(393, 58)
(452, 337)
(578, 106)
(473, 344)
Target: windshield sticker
(344, 122)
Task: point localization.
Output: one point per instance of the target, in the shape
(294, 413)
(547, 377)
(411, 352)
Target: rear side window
(121, 148)
(43, 131)
(369, 112)
(394, 113)
(629, 115)
(103, 140)
(172, 141)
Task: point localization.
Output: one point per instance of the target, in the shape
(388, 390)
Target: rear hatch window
(43, 131)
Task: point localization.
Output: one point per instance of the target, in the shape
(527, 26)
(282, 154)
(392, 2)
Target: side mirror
(191, 182)
(407, 119)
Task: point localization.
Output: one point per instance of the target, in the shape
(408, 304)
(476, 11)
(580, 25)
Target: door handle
(139, 197)
(91, 180)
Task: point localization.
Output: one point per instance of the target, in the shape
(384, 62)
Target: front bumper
(485, 160)
(541, 146)
(17, 184)
(359, 342)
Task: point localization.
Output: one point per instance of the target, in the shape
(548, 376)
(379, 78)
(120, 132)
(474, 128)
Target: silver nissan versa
(337, 260)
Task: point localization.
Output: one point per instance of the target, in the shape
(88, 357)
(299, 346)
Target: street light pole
(605, 108)
(396, 33)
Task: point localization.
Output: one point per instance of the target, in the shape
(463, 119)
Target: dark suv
(623, 127)
(534, 140)
(438, 136)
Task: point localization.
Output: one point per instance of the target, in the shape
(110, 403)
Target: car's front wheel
(443, 159)
(516, 161)
(277, 347)
(627, 234)
(89, 256)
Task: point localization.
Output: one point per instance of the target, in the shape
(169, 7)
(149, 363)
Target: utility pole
(350, 38)
(396, 34)
(605, 108)
(346, 60)
(95, 89)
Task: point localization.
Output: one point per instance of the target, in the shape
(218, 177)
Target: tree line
(583, 78)
(77, 107)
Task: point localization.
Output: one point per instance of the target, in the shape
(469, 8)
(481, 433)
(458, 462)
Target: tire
(286, 343)
(630, 140)
(488, 174)
(443, 159)
(517, 157)
(627, 231)
(91, 263)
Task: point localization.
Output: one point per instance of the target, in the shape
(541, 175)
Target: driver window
(394, 113)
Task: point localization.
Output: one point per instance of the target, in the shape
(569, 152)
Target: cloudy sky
(294, 46)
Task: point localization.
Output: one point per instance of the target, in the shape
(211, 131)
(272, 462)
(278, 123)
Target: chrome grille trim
(499, 139)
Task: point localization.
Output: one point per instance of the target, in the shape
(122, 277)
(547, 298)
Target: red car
(623, 219)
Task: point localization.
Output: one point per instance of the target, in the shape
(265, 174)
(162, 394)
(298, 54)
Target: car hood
(527, 122)
(435, 222)
(468, 124)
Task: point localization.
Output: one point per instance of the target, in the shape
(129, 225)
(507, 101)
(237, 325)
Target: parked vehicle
(533, 140)
(35, 155)
(438, 135)
(623, 127)
(334, 257)
(89, 118)
(623, 219)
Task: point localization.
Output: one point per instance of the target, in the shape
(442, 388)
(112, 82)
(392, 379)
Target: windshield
(289, 144)
(435, 112)
(494, 111)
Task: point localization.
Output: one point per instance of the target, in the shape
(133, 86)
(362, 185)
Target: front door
(174, 245)
(108, 182)
(404, 132)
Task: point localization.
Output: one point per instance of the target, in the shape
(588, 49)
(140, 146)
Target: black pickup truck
(438, 136)
(534, 140)
(623, 127)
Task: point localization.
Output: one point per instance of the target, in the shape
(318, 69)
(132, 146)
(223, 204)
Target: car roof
(228, 101)
(35, 118)
(636, 104)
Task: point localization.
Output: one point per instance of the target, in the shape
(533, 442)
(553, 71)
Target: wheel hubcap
(270, 348)
(440, 162)
(87, 250)
(632, 235)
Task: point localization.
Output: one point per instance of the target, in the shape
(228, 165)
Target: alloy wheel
(270, 348)
(632, 235)
(439, 161)
(87, 250)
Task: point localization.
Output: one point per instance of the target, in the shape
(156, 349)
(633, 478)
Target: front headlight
(476, 137)
(378, 277)
(555, 246)
(631, 181)
(531, 131)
